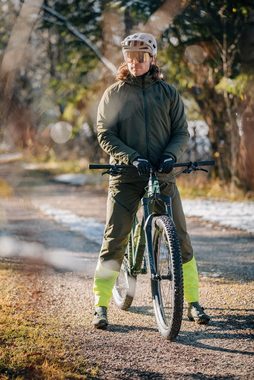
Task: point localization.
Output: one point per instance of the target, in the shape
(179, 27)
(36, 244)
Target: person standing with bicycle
(141, 122)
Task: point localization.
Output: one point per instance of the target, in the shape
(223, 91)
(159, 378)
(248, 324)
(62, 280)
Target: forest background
(57, 58)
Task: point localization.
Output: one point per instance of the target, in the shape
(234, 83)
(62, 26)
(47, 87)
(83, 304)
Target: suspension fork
(167, 200)
(148, 234)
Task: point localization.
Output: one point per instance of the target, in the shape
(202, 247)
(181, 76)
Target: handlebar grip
(99, 166)
(195, 163)
(108, 166)
(206, 163)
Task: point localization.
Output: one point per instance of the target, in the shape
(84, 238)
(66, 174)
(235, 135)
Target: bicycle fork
(148, 217)
(148, 234)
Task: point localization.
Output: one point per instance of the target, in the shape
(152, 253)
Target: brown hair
(123, 72)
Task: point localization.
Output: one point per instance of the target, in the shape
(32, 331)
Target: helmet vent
(140, 41)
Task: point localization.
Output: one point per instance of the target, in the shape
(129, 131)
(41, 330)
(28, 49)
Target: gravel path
(131, 348)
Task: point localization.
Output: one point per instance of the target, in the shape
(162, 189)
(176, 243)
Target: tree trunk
(234, 140)
(246, 156)
(246, 114)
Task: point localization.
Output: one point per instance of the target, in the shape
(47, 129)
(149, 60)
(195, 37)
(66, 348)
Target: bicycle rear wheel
(124, 289)
(167, 286)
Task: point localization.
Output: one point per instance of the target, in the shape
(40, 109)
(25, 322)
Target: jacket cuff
(171, 155)
(133, 157)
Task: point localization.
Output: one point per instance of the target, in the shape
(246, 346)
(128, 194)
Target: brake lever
(189, 169)
(193, 168)
(113, 171)
(203, 170)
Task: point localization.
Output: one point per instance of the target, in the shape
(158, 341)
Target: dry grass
(31, 344)
(198, 185)
(5, 189)
(191, 186)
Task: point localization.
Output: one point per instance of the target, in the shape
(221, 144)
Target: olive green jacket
(141, 117)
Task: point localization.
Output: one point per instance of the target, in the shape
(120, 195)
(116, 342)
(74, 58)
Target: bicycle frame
(152, 193)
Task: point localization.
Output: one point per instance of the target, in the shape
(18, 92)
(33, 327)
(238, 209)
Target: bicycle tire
(125, 285)
(167, 288)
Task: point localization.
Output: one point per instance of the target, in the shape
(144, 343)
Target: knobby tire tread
(166, 223)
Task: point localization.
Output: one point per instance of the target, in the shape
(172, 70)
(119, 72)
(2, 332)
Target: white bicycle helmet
(140, 42)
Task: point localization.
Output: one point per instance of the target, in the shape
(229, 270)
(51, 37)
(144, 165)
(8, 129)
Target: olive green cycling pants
(122, 205)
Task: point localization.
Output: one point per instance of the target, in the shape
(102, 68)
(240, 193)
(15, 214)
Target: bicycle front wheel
(167, 285)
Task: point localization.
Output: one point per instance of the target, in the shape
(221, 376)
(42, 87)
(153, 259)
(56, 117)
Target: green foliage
(209, 50)
(72, 60)
(203, 53)
(139, 11)
(237, 86)
(174, 67)
(216, 27)
(83, 14)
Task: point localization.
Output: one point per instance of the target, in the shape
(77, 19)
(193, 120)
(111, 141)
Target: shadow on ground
(229, 327)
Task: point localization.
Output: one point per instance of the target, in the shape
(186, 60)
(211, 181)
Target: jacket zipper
(146, 120)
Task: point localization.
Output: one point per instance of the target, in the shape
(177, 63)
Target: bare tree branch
(82, 37)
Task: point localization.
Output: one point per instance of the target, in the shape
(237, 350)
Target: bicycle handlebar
(108, 166)
(189, 164)
(194, 163)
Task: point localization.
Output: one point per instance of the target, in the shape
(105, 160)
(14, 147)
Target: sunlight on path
(231, 214)
(88, 227)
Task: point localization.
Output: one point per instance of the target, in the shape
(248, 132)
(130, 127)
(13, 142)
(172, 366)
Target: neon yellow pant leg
(191, 281)
(104, 280)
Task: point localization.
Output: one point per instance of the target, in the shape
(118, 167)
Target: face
(138, 62)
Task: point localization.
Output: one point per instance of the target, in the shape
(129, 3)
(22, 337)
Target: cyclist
(141, 121)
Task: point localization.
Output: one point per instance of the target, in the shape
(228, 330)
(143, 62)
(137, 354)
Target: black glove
(143, 166)
(166, 164)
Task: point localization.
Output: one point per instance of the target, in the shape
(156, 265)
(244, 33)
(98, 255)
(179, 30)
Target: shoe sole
(199, 321)
(101, 326)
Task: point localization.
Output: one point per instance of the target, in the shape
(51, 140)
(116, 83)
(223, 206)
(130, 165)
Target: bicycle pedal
(156, 277)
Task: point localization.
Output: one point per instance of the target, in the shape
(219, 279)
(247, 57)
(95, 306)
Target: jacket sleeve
(107, 129)
(179, 128)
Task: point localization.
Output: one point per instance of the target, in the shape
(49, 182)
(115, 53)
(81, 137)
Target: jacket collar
(142, 81)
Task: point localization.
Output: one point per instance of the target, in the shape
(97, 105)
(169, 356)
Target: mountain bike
(153, 247)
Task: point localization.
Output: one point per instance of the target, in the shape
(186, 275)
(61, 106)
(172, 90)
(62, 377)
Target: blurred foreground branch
(15, 55)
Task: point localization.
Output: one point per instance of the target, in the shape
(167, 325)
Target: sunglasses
(138, 56)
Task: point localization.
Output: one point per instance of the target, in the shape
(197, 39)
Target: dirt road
(131, 348)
